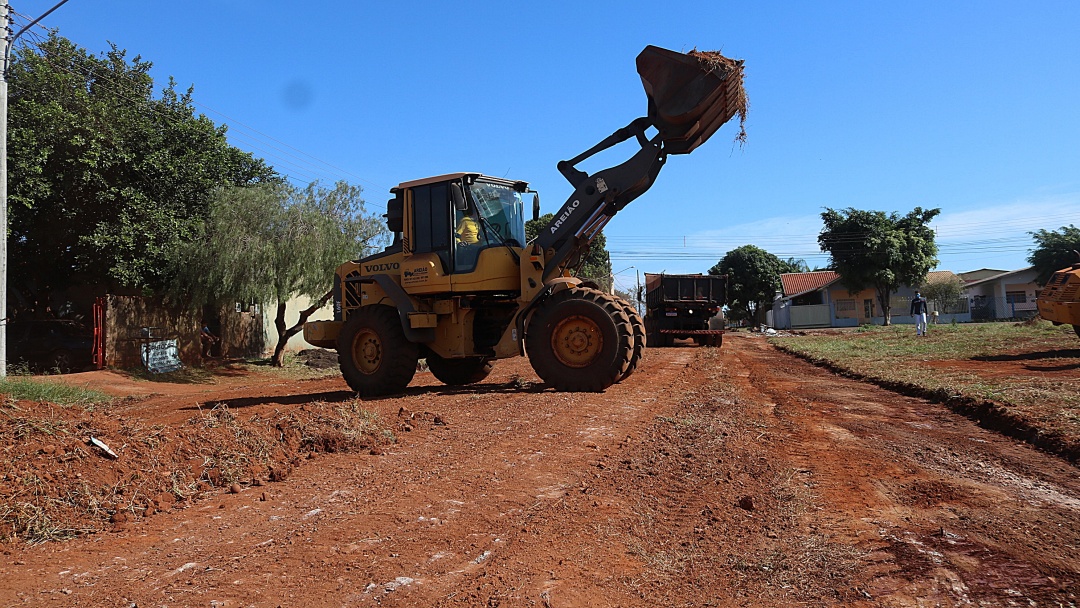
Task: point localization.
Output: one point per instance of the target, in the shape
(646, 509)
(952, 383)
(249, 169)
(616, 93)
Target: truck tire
(375, 357)
(580, 340)
(638, 327)
(457, 372)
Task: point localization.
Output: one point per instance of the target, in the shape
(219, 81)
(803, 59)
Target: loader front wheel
(580, 340)
(638, 327)
(458, 372)
(375, 357)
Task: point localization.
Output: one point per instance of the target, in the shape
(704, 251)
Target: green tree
(270, 242)
(870, 249)
(106, 180)
(1054, 250)
(597, 263)
(794, 265)
(944, 291)
(753, 280)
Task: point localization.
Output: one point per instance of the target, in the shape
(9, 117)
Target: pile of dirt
(70, 471)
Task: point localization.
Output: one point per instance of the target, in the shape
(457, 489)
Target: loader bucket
(691, 94)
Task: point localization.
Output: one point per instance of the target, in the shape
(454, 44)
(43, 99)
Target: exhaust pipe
(691, 95)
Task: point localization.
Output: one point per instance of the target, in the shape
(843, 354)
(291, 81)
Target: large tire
(638, 327)
(457, 372)
(1076, 328)
(580, 340)
(375, 357)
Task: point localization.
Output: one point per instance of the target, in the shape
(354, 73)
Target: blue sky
(971, 107)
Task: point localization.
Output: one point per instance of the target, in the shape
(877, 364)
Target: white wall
(292, 315)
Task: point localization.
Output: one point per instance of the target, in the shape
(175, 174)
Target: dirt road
(711, 477)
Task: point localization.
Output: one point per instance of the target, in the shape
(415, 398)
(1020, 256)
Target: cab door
(427, 263)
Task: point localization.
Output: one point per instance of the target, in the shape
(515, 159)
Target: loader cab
(456, 232)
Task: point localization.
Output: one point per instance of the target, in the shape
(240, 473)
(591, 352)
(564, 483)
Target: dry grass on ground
(1031, 369)
(56, 482)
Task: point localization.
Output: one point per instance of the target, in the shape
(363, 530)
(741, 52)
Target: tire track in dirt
(941, 507)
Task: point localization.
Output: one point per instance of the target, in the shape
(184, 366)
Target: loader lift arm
(690, 97)
(597, 198)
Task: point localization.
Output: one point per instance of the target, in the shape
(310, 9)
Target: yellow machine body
(1059, 300)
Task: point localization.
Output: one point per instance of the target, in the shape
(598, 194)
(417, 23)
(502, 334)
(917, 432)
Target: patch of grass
(184, 375)
(996, 362)
(28, 389)
(294, 368)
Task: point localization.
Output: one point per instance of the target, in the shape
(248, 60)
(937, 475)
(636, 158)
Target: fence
(996, 309)
(131, 323)
(901, 305)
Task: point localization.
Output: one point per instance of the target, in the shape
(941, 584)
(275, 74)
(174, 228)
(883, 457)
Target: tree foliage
(944, 291)
(597, 263)
(753, 280)
(1054, 250)
(871, 249)
(270, 242)
(794, 265)
(106, 180)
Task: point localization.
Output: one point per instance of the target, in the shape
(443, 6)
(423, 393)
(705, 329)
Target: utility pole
(637, 295)
(8, 43)
(3, 190)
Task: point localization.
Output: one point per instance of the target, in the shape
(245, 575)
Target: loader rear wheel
(375, 357)
(457, 372)
(580, 340)
(638, 327)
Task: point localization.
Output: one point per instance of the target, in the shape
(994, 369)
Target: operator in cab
(468, 231)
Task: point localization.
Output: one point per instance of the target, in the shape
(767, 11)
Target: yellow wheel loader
(1059, 300)
(460, 287)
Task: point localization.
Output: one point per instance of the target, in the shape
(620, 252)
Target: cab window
(431, 224)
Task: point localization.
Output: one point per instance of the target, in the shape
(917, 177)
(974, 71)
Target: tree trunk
(285, 333)
(886, 308)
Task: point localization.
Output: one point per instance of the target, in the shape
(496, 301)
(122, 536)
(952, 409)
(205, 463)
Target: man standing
(208, 340)
(918, 310)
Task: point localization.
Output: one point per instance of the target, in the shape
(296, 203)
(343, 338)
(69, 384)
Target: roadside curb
(987, 414)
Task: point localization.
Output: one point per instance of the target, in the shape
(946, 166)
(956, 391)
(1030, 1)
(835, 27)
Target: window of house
(1016, 297)
(845, 308)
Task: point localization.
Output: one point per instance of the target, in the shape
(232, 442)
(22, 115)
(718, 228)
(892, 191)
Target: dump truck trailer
(684, 306)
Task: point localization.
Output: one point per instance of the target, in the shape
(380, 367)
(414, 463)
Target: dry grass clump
(56, 484)
(714, 61)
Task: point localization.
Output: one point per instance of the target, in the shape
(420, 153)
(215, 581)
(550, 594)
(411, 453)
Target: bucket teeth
(691, 95)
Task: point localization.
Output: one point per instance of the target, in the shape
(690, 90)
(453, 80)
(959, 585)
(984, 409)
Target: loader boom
(690, 97)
